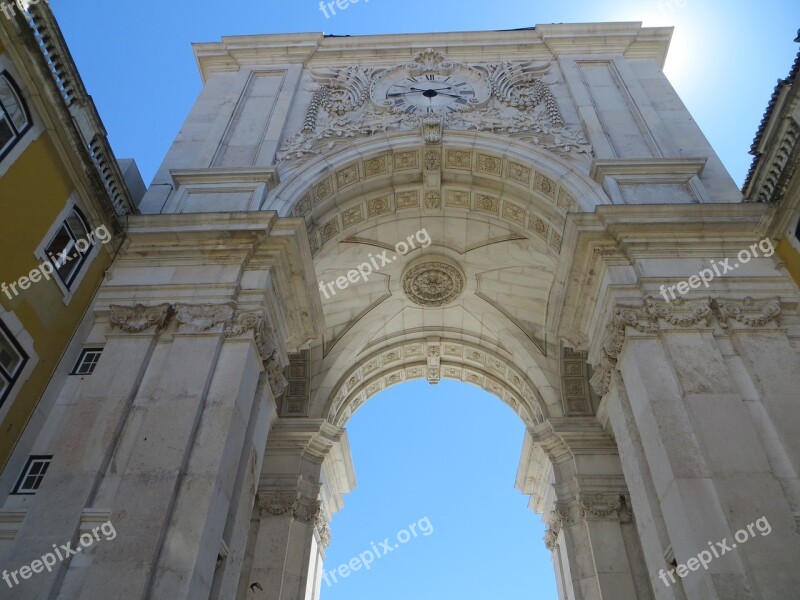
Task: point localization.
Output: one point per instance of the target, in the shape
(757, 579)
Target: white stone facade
(561, 183)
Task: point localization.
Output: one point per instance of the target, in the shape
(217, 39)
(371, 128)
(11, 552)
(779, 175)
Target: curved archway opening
(435, 513)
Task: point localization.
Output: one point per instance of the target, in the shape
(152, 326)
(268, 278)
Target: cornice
(538, 43)
(79, 127)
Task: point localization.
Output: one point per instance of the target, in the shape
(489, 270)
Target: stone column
(707, 461)
(178, 456)
(84, 442)
(590, 523)
(290, 529)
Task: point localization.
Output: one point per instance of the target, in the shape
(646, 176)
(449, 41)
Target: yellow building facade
(774, 176)
(62, 200)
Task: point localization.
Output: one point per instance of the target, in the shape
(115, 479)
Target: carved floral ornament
(200, 318)
(748, 313)
(280, 503)
(432, 284)
(510, 98)
(588, 506)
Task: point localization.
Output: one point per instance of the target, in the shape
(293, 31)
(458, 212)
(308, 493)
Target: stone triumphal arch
(550, 188)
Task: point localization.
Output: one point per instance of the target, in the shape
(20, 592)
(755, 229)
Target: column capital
(138, 318)
(288, 503)
(244, 321)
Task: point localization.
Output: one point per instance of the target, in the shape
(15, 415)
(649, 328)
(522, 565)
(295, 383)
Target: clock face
(431, 93)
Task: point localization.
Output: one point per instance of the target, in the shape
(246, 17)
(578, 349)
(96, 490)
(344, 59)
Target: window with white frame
(15, 119)
(87, 361)
(32, 475)
(64, 250)
(12, 361)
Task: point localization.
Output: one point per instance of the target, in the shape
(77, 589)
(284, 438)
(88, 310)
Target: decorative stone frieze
(682, 313)
(198, 318)
(600, 505)
(748, 312)
(139, 318)
(511, 98)
(276, 503)
(285, 503)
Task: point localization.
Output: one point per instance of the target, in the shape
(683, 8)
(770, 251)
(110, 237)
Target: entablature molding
(537, 43)
(203, 319)
(654, 316)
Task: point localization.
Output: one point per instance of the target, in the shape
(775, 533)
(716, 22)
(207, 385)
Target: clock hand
(432, 89)
(403, 93)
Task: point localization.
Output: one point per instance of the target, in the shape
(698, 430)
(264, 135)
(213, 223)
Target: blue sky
(137, 62)
(448, 452)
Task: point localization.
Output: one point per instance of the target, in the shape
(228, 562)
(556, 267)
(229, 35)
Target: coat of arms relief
(509, 98)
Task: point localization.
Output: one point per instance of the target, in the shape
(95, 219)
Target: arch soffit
(483, 173)
(434, 359)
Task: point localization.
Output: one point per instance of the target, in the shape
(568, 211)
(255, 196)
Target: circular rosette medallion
(432, 284)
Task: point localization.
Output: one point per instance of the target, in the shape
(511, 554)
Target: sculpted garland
(508, 98)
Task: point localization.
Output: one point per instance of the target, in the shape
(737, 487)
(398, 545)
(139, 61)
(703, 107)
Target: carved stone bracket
(322, 528)
(682, 313)
(140, 318)
(432, 132)
(553, 529)
(433, 355)
(255, 321)
(198, 318)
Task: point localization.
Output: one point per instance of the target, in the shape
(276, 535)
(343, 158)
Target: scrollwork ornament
(600, 505)
(276, 504)
(139, 318)
(323, 530)
(748, 312)
(516, 102)
(552, 531)
(306, 510)
(267, 348)
(198, 318)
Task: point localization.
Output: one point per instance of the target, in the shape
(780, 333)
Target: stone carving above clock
(506, 98)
